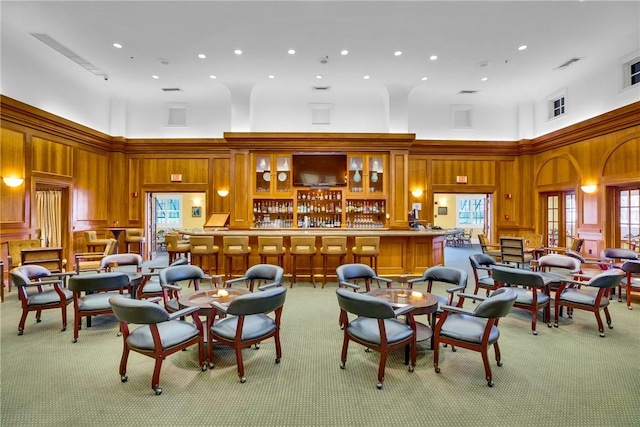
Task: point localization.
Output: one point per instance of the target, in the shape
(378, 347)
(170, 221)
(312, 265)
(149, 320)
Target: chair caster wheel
(204, 367)
(571, 316)
(379, 385)
(119, 334)
(454, 349)
(412, 368)
(499, 362)
(277, 360)
(629, 308)
(124, 378)
(367, 350)
(257, 346)
(437, 369)
(342, 365)
(490, 383)
(64, 329)
(601, 334)
(211, 365)
(555, 325)
(610, 326)
(20, 332)
(243, 380)
(38, 320)
(75, 340)
(158, 391)
(548, 325)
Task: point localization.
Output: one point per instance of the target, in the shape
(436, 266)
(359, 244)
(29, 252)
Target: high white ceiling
(462, 34)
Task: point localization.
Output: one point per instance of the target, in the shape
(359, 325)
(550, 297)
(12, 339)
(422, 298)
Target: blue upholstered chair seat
(48, 297)
(255, 326)
(635, 282)
(583, 297)
(98, 301)
(486, 281)
(366, 329)
(172, 305)
(525, 296)
(171, 334)
(152, 287)
(468, 328)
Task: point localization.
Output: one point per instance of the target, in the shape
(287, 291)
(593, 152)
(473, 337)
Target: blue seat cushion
(97, 301)
(48, 297)
(367, 330)
(486, 281)
(525, 296)
(467, 328)
(152, 287)
(255, 326)
(172, 333)
(584, 297)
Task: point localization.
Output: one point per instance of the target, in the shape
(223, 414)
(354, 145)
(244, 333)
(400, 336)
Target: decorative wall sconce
(591, 188)
(416, 193)
(223, 193)
(12, 181)
(197, 202)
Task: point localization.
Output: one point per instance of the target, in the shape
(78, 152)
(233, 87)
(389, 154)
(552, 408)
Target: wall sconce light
(416, 193)
(197, 202)
(591, 188)
(223, 193)
(12, 181)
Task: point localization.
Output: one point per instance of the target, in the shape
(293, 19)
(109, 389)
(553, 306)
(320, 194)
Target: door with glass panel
(628, 207)
(560, 218)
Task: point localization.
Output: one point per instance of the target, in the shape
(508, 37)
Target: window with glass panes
(570, 219)
(552, 220)
(629, 215)
(470, 212)
(168, 211)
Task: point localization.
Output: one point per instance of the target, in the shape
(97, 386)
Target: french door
(560, 220)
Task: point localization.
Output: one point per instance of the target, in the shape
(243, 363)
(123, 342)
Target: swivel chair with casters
(332, 247)
(247, 323)
(270, 274)
(349, 274)
(160, 335)
(367, 247)
(474, 329)
(479, 263)
(303, 247)
(28, 277)
(130, 264)
(555, 267)
(150, 286)
(448, 275)
(631, 281)
(590, 296)
(376, 327)
(169, 278)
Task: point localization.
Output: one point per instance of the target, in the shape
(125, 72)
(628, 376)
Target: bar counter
(401, 251)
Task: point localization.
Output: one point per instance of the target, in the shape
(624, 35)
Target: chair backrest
(235, 243)
(481, 260)
(273, 273)
(348, 272)
(606, 279)
(576, 245)
(171, 240)
(484, 242)
(173, 274)
(98, 282)
(272, 244)
(90, 235)
(454, 276)
(632, 267)
(364, 305)
(137, 311)
(560, 261)
(202, 243)
(512, 249)
(303, 244)
(499, 304)
(15, 249)
(260, 302)
(532, 240)
(516, 276)
(367, 243)
(179, 261)
(120, 260)
(334, 244)
(110, 247)
(618, 253)
(576, 255)
(26, 275)
(133, 232)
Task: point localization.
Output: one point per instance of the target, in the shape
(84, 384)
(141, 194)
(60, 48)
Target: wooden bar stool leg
(311, 273)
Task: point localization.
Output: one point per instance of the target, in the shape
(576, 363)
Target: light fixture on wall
(223, 193)
(591, 188)
(416, 193)
(197, 201)
(12, 181)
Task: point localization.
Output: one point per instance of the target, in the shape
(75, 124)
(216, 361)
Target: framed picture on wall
(442, 210)
(195, 212)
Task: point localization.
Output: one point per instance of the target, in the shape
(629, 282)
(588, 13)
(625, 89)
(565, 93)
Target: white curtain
(49, 217)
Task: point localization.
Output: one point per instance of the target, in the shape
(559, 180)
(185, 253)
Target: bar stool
(332, 246)
(201, 247)
(235, 246)
(271, 246)
(92, 241)
(176, 246)
(302, 246)
(367, 247)
(134, 236)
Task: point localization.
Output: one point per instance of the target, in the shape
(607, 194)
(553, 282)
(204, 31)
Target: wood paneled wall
(109, 176)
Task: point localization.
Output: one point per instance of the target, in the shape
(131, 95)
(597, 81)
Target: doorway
(53, 215)
(472, 212)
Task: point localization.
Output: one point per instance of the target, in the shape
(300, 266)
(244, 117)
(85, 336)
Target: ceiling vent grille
(568, 63)
(321, 88)
(65, 51)
(171, 89)
(468, 92)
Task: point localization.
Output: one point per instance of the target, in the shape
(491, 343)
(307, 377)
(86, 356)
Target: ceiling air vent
(568, 63)
(321, 88)
(55, 45)
(171, 89)
(468, 92)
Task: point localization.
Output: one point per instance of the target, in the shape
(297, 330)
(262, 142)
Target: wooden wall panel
(398, 190)
(159, 171)
(558, 171)
(624, 160)
(241, 216)
(136, 198)
(12, 163)
(221, 175)
(479, 172)
(92, 197)
(51, 157)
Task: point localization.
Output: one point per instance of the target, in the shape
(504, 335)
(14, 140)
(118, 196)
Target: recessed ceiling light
(211, 76)
(424, 78)
(202, 55)
(155, 77)
(291, 52)
(271, 76)
(523, 47)
(397, 53)
(318, 77)
(484, 79)
(118, 45)
(237, 52)
(366, 77)
(344, 52)
(433, 57)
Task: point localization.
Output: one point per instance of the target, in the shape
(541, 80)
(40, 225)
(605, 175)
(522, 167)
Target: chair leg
(123, 363)
(155, 381)
(599, 320)
(64, 317)
(487, 367)
(23, 319)
(383, 364)
(240, 364)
